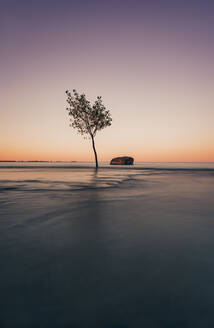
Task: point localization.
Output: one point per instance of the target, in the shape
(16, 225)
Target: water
(121, 247)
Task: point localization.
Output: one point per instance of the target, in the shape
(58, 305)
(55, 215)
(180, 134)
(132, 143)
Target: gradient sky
(151, 61)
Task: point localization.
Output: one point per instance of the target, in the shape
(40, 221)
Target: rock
(124, 160)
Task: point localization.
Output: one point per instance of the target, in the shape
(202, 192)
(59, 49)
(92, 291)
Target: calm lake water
(117, 248)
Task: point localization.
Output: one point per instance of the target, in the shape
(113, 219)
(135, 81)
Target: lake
(119, 247)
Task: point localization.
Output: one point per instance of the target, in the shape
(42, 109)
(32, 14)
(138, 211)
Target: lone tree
(87, 119)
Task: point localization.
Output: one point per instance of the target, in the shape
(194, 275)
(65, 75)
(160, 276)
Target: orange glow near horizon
(156, 77)
(154, 155)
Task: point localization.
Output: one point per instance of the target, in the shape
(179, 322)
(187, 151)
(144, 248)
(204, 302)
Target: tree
(87, 118)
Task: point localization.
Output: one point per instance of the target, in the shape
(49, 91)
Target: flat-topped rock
(124, 160)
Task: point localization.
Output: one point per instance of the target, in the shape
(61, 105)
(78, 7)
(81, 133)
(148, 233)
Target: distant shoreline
(91, 162)
(13, 161)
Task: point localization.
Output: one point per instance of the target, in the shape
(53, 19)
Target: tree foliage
(87, 118)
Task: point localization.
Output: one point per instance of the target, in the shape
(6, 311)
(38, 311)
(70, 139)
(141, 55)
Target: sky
(151, 61)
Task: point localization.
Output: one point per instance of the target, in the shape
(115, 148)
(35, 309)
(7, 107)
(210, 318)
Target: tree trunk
(95, 153)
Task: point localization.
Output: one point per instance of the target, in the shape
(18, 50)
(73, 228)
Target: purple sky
(152, 61)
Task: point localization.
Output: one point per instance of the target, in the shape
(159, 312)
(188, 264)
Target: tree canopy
(87, 118)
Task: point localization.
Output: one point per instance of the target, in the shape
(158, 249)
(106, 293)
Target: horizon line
(76, 161)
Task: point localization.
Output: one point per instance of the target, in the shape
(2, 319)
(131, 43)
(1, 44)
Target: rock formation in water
(124, 160)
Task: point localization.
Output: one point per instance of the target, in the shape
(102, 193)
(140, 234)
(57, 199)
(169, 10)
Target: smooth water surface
(120, 247)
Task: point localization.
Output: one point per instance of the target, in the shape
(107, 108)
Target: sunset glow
(151, 62)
